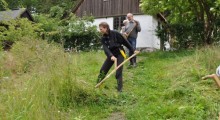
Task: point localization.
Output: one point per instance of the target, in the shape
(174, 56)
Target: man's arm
(138, 26)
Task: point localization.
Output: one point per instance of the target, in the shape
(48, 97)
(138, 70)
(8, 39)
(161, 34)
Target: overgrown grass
(39, 81)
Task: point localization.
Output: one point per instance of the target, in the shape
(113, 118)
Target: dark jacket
(112, 42)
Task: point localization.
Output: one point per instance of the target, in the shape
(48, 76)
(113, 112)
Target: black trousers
(106, 67)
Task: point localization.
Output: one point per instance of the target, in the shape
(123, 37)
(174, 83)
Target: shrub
(72, 32)
(82, 35)
(13, 30)
(183, 36)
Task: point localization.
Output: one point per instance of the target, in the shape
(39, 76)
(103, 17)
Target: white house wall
(108, 20)
(147, 37)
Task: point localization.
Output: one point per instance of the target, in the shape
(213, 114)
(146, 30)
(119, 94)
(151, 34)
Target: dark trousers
(133, 43)
(106, 67)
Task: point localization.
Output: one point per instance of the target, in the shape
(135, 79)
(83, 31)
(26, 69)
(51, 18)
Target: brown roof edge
(79, 2)
(29, 14)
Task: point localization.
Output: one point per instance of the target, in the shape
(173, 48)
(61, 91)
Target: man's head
(104, 27)
(130, 16)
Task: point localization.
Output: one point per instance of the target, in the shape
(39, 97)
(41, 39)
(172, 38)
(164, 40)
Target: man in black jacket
(112, 42)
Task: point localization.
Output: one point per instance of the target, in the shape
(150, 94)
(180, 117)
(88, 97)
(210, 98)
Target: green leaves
(81, 34)
(14, 30)
(3, 4)
(187, 13)
(71, 32)
(56, 12)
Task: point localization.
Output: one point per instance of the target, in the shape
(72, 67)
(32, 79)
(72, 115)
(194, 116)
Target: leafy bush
(56, 12)
(72, 32)
(81, 34)
(183, 36)
(13, 30)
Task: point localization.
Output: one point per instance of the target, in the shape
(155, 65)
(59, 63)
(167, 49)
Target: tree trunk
(209, 22)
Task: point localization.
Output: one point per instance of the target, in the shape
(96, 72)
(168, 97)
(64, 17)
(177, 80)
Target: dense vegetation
(57, 24)
(38, 6)
(39, 81)
(188, 23)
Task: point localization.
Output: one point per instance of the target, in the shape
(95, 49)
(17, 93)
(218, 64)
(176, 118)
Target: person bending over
(112, 42)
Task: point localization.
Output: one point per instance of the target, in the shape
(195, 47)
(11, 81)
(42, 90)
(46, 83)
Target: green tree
(44, 6)
(3, 5)
(189, 14)
(14, 30)
(40, 6)
(71, 32)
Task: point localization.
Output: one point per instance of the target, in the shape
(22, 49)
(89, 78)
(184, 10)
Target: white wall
(108, 20)
(147, 37)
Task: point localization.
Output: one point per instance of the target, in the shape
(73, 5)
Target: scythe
(115, 69)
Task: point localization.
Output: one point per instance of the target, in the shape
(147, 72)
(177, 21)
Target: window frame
(118, 22)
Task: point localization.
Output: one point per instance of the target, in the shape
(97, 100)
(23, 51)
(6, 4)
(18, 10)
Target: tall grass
(43, 82)
(39, 81)
(173, 88)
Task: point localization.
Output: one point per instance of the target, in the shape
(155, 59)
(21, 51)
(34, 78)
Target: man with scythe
(112, 42)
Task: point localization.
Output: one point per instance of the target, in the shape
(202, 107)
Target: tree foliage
(3, 5)
(195, 20)
(81, 34)
(14, 30)
(39, 6)
(56, 23)
(71, 31)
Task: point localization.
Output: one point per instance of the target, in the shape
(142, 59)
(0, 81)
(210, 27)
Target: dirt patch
(117, 116)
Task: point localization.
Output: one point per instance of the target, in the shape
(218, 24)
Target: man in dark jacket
(112, 42)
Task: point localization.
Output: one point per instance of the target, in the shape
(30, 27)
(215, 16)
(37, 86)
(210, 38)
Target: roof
(13, 14)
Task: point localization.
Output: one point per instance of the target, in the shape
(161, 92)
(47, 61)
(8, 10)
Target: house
(15, 13)
(114, 12)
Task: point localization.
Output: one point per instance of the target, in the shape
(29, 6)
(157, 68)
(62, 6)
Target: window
(118, 22)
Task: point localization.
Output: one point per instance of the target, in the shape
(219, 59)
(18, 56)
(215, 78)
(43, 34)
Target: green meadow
(39, 81)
